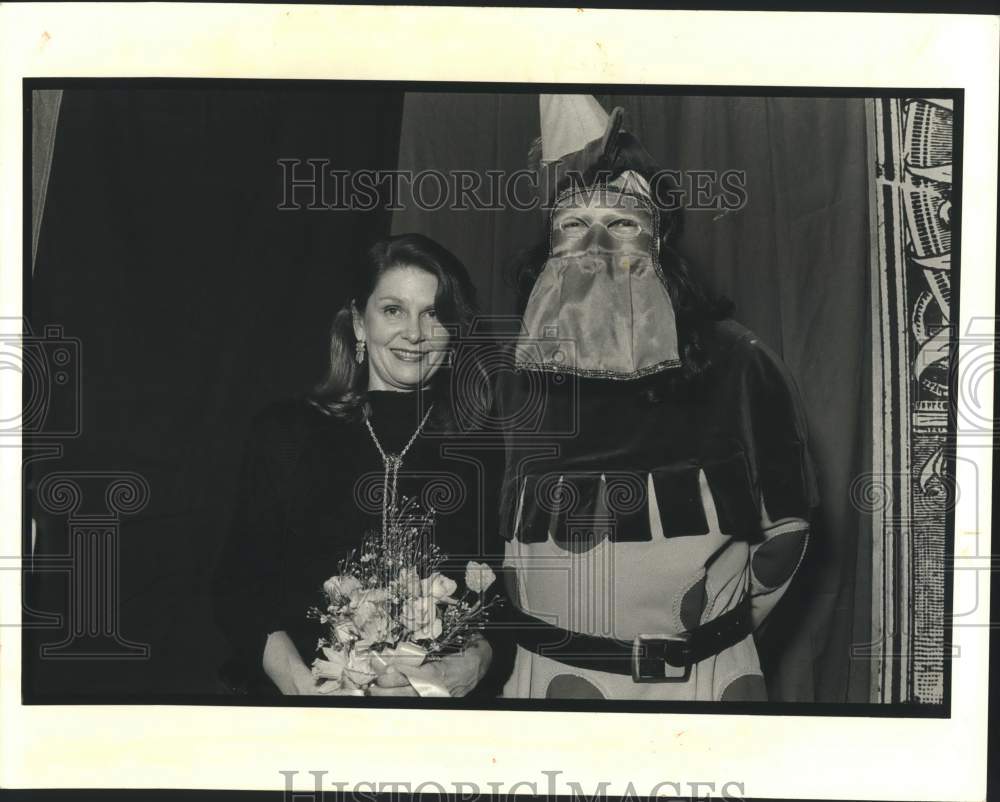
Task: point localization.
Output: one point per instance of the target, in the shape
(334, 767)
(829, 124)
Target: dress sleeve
(248, 577)
(498, 630)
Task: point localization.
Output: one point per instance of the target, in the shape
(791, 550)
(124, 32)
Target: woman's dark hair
(343, 390)
(695, 308)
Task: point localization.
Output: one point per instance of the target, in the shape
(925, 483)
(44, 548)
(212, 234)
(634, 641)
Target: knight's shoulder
(731, 336)
(735, 347)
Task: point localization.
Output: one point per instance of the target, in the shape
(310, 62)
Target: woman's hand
(304, 683)
(284, 665)
(391, 683)
(461, 672)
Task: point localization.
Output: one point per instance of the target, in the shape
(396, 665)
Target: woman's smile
(408, 354)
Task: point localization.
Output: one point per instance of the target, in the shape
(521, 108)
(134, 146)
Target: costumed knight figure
(657, 489)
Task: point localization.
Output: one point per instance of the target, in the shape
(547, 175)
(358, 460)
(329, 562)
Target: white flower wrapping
(390, 607)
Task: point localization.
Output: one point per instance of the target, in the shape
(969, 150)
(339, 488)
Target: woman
(315, 468)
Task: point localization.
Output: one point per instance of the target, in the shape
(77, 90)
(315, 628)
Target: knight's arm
(776, 432)
(774, 562)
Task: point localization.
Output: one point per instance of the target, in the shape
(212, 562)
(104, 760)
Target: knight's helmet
(600, 306)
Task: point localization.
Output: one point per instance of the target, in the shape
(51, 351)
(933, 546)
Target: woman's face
(406, 344)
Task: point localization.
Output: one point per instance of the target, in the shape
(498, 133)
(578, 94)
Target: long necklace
(392, 464)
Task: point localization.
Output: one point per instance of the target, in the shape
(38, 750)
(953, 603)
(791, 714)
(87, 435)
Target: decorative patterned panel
(911, 156)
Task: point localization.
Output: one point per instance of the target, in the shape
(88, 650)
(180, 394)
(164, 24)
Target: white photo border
(248, 748)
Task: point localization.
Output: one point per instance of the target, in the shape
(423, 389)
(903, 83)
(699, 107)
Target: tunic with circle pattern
(625, 515)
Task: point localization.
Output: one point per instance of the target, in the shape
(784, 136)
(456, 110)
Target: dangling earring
(359, 352)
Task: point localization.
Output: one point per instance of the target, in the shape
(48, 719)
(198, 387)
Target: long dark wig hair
(343, 390)
(694, 307)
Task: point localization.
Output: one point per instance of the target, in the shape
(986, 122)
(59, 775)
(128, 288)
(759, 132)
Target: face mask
(600, 306)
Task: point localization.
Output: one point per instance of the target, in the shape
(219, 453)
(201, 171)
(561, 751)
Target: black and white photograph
(448, 399)
(528, 395)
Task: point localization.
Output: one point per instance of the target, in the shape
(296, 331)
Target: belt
(647, 658)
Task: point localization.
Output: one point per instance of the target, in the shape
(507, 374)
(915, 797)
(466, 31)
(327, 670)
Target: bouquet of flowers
(389, 606)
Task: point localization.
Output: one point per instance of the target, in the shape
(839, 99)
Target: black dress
(310, 488)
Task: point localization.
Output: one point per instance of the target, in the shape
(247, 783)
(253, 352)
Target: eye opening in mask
(621, 228)
(576, 197)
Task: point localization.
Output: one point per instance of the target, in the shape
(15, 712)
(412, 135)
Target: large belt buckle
(649, 658)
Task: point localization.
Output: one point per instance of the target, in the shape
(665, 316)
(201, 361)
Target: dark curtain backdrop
(196, 302)
(795, 261)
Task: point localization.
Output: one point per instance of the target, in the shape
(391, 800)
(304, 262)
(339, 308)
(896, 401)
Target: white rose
(362, 611)
(479, 576)
(338, 586)
(376, 627)
(345, 632)
(373, 595)
(438, 586)
(421, 618)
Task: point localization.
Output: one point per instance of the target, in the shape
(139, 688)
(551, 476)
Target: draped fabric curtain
(794, 258)
(44, 122)
(474, 134)
(196, 300)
